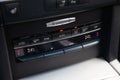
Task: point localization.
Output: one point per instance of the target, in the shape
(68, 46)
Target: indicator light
(61, 30)
(76, 27)
(97, 34)
(19, 52)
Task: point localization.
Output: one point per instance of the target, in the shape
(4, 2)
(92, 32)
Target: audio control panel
(59, 42)
(64, 3)
(15, 11)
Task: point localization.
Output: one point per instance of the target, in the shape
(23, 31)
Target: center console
(38, 36)
(54, 42)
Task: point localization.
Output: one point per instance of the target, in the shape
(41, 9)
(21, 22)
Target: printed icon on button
(62, 4)
(73, 1)
(36, 40)
(31, 50)
(13, 11)
(87, 37)
(19, 52)
(63, 1)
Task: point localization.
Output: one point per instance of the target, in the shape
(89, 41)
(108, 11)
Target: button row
(55, 35)
(33, 54)
(63, 3)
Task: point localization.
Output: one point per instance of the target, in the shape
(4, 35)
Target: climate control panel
(56, 43)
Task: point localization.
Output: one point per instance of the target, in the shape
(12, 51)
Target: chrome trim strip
(73, 48)
(61, 22)
(91, 44)
(6, 0)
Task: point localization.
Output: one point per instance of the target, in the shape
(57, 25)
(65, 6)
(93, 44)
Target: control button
(73, 49)
(88, 36)
(76, 30)
(52, 53)
(77, 39)
(46, 37)
(57, 45)
(61, 3)
(19, 52)
(73, 2)
(36, 40)
(12, 9)
(97, 34)
(85, 29)
(91, 36)
(31, 50)
(21, 43)
(95, 26)
(47, 47)
(30, 57)
(62, 34)
(65, 33)
(66, 43)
